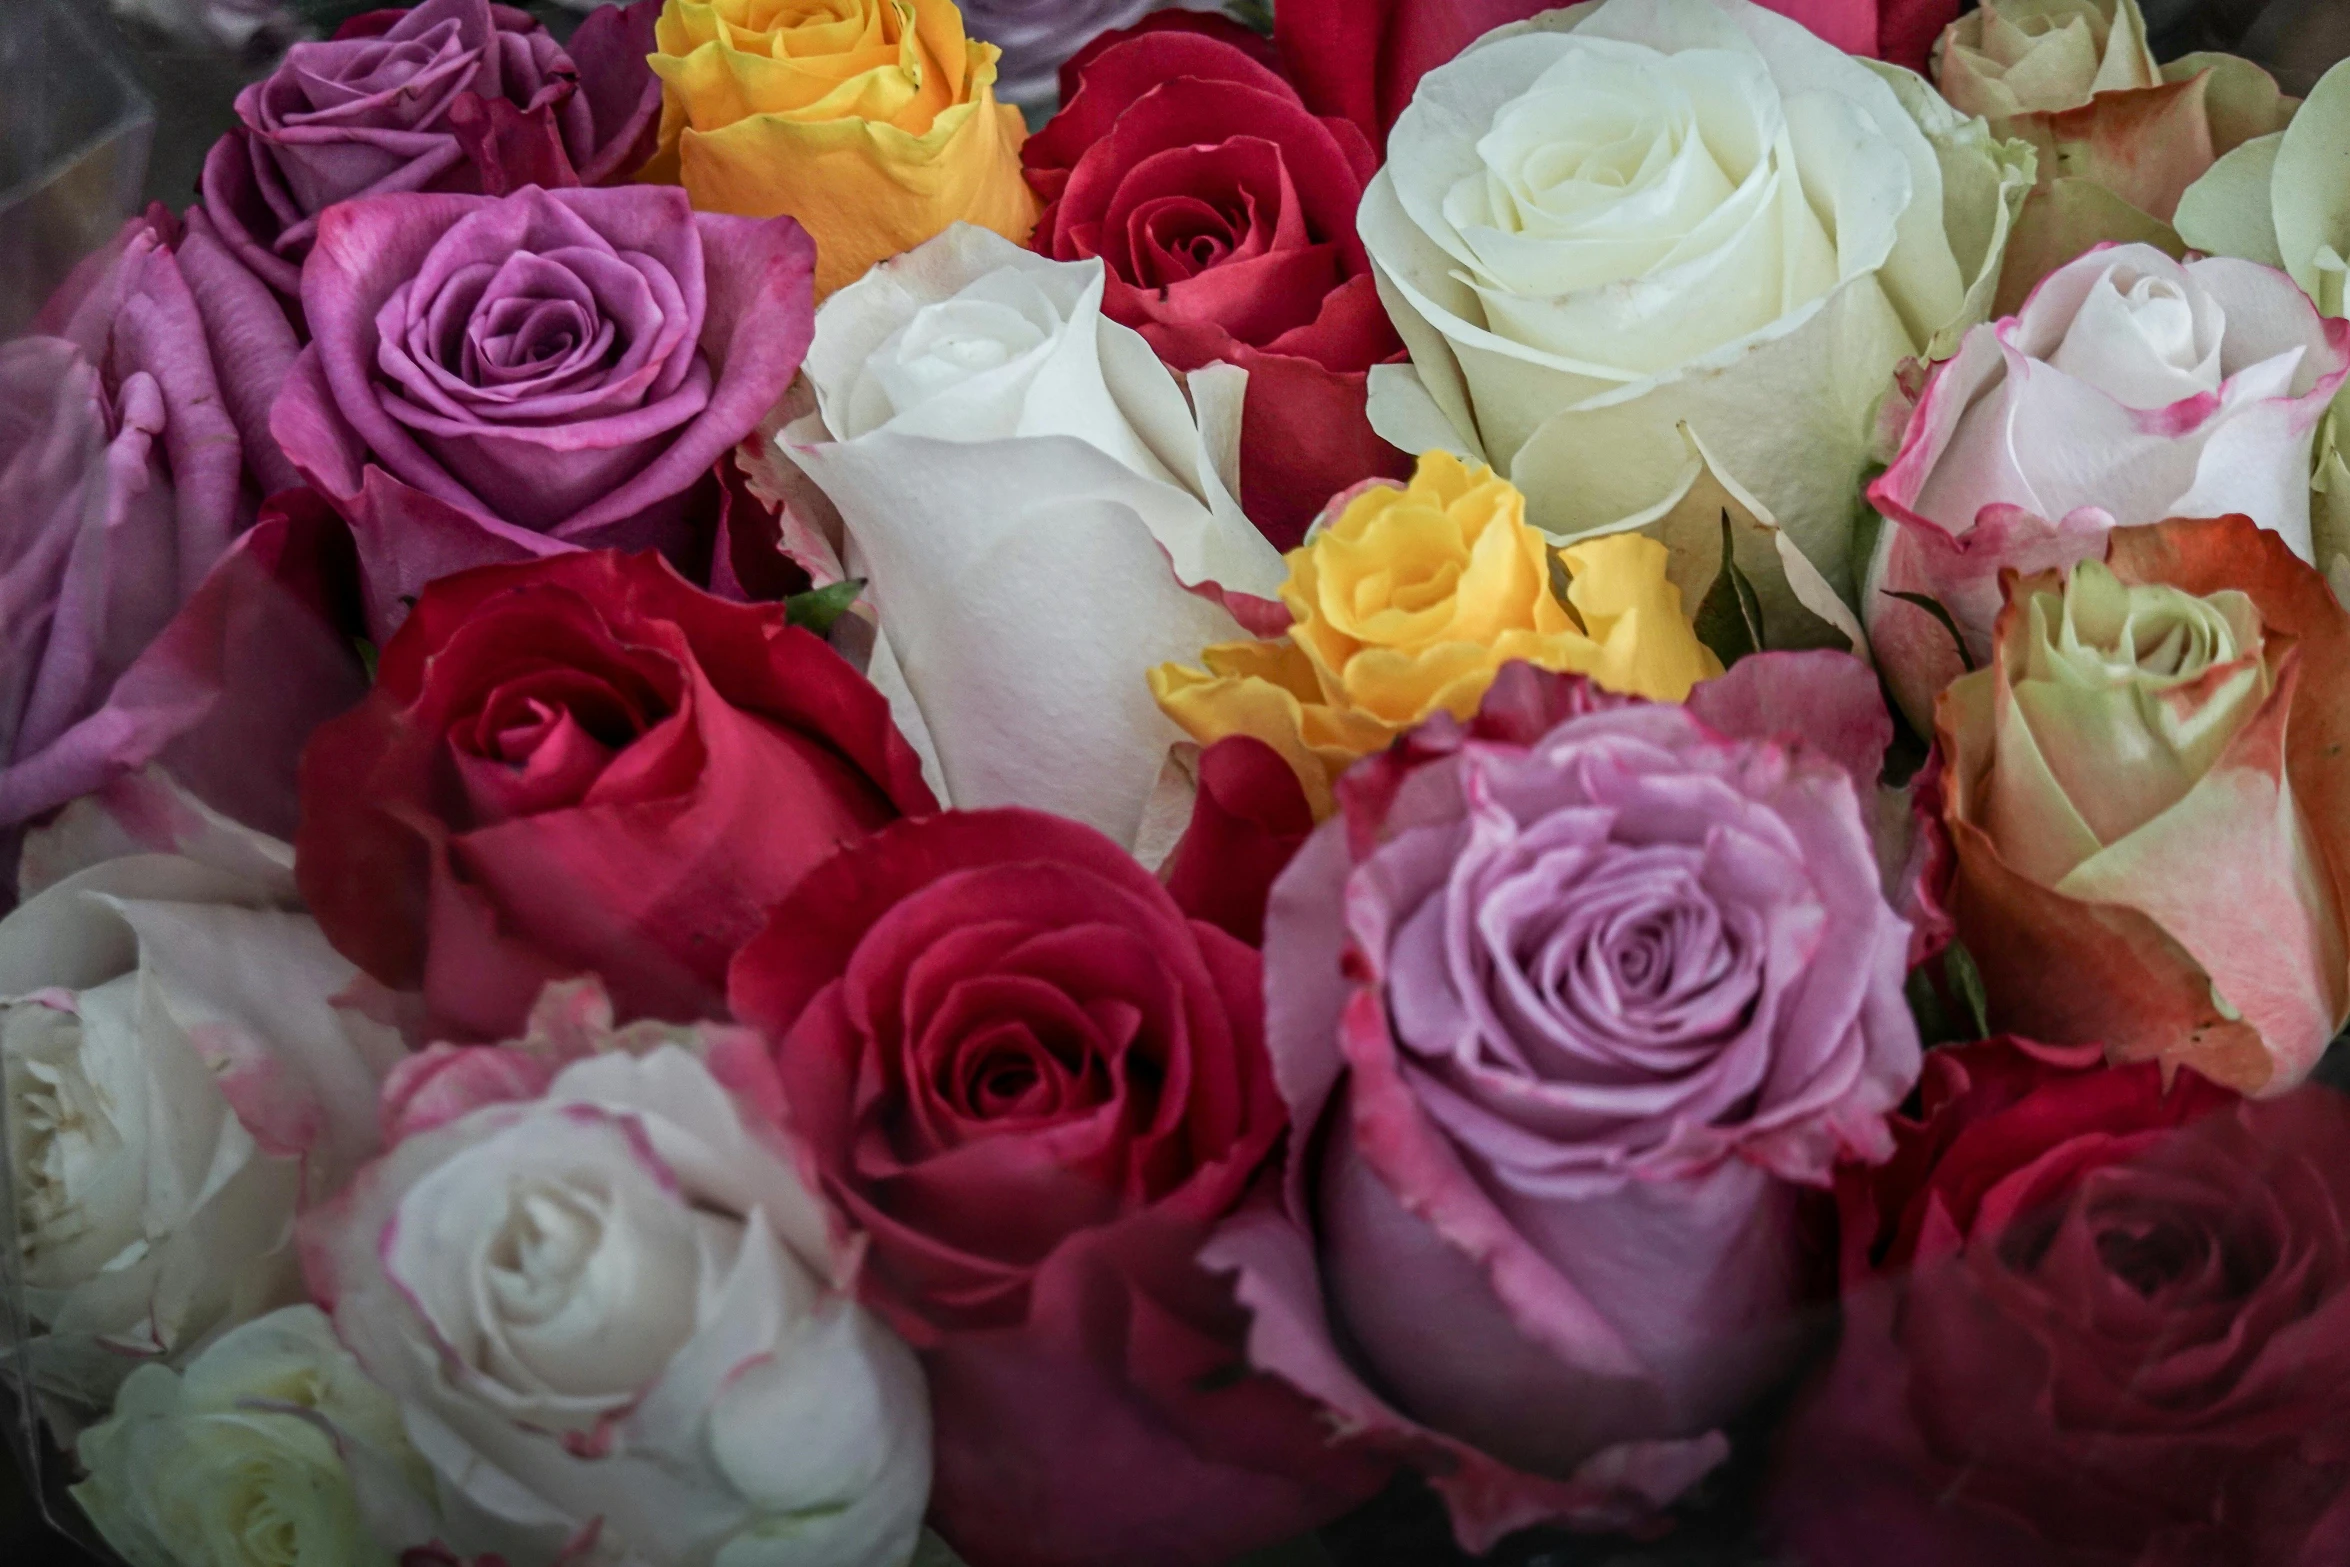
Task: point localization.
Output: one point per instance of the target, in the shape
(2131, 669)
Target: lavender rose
(134, 453)
(1568, 1006)
(455, 95)
(1036, 36)
(492, 379)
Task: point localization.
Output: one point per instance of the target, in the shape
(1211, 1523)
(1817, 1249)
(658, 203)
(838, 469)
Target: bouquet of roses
(1585, 770)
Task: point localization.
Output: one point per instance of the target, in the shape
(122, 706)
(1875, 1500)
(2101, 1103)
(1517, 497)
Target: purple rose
(1037, 35)
(455, 95)
(134, 451)
(493, 379)
(1569, 1005)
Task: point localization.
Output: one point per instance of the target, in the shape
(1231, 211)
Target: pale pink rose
(2130, 389)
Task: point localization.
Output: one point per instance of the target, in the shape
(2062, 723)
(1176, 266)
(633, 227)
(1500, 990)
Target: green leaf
(1729, 619)
(367, 656)
(817, 609)
(1255, 15)
(1958, 965)
(1933, 606)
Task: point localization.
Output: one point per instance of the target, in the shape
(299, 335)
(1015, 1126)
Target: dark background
(193, 89)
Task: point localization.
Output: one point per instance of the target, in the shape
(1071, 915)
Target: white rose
(245, 1460)
(1622, 227)
(178, 1083)
(2131, 389)
(1028, 492)
(620, 1333)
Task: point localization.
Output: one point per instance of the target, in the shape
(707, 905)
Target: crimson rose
(1224, 213)
(1035, 1086)
(2090, 1322)
(585, 764)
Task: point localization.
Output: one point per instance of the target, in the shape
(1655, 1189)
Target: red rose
(1248, 821)
(1036, 1085)
(1363, 58)
(2088, 1321)
(585, 763)
(1224, 213)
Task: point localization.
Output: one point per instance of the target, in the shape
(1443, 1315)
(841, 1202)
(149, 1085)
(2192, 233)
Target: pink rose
(138, 616)
(1569, 1005)
(2131, 389)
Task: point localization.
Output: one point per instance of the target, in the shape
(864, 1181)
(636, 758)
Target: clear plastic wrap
(74, 137)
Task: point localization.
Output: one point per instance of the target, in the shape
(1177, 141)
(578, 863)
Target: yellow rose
(873, 122)
(1410, 602)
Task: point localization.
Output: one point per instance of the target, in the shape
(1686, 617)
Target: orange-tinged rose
(2149, 793)
(873, 122)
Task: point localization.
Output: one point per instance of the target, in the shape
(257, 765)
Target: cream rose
(178, 1082)
(2130, 390)
(620, 1331)
(2024, 56)
(1028, 492)
(246, 1459)
(1621, 227)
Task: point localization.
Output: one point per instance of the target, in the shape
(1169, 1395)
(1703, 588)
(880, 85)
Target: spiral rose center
(2146, 342)
(67, 1156)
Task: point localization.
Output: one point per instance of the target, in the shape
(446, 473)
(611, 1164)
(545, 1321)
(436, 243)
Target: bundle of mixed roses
(1581, 769)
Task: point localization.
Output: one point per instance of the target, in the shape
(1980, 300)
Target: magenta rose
(1224, 214)
(2091, 1320)
(1570, 1005)
(134, 454)
(454, 95)
(1034, 1086)
(494, 379)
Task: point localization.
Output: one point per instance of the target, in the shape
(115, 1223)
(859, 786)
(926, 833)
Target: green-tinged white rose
(1618, 223)
(2284, 200)
(2021, 56)
(2129, 695)
(239, 1460)
(177, 1080)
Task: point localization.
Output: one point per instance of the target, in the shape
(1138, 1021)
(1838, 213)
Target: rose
(1567, 1008)
(240, 1462)
(1562, 274)
(2130, 390)
(2276, 200)
(1247, 822)
(585, 764)
(616, 1323)
(2149, 770)
(453, 95)
(874, 122)
(2119, 140)
(1363, 58)
(1225, 215)
(2024, 56)
(498, 378)
(1038, 36)
(2091, 1319)
(1034, 1085)
(1016, 476)
(134, 603)
(1409, 603)
(178, 1080)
